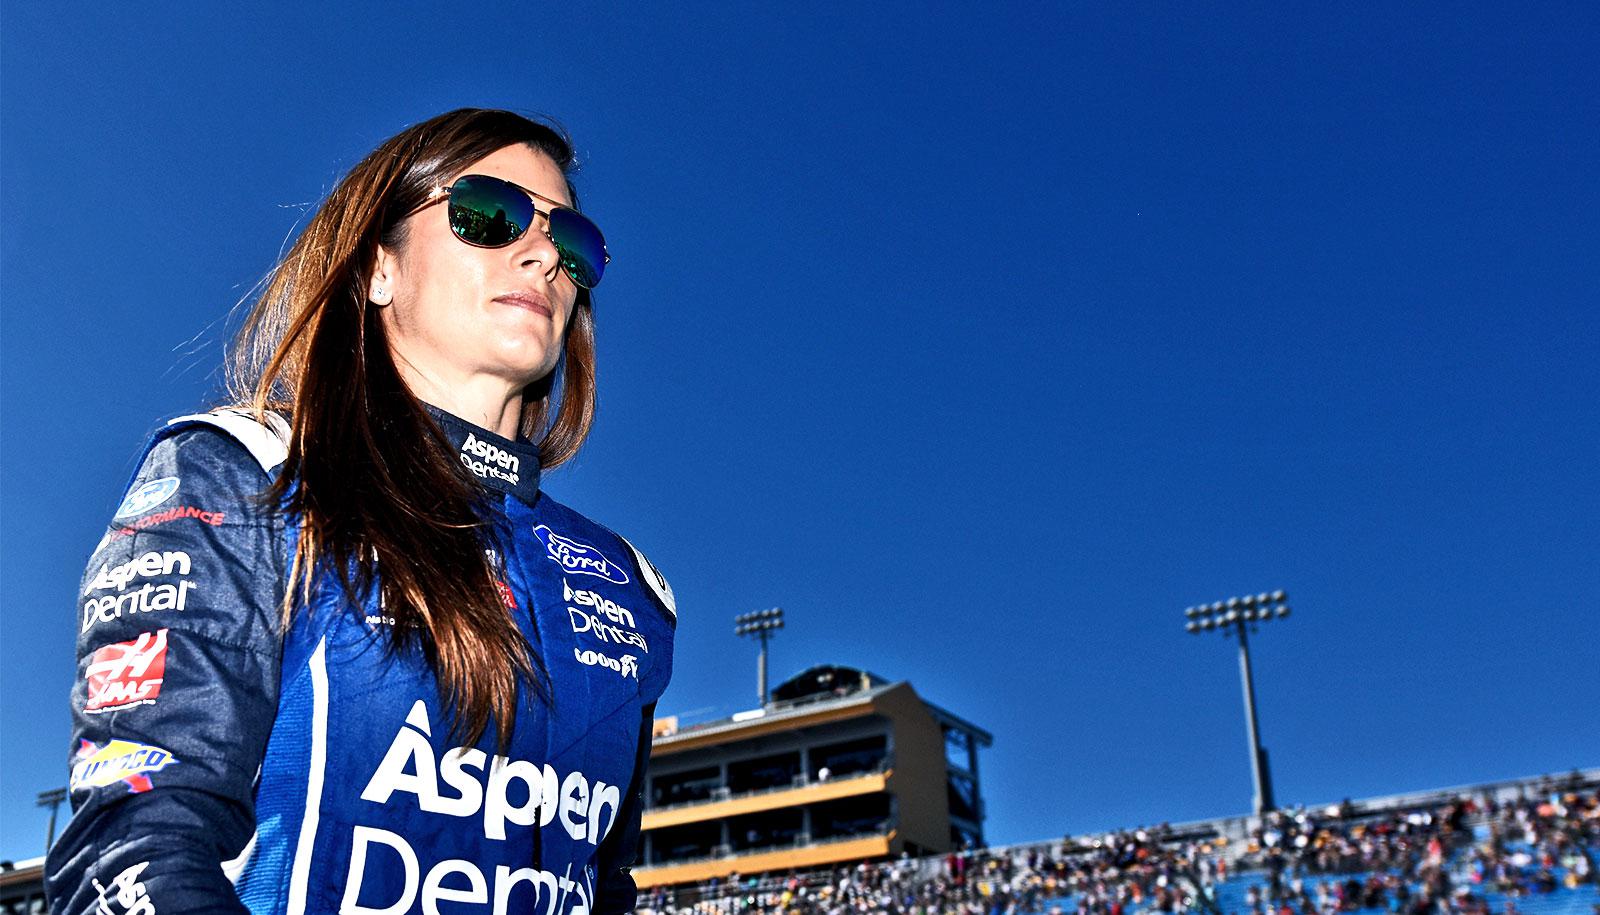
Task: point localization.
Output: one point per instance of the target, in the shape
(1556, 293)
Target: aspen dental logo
(147, 497)
(486, 459)
(152, 596)
(466, 782)
(613, 628)
(579, 558)
(118, 761)
(125, 892)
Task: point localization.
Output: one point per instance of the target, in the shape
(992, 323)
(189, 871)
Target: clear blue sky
(981, 341)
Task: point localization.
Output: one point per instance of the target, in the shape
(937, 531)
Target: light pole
(761, 624)
(1239, 615)
(51, 799)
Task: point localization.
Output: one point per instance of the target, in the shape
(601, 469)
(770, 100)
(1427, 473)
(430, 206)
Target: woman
(338, 652)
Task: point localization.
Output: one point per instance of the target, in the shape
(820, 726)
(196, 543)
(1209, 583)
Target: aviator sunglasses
(492, 213)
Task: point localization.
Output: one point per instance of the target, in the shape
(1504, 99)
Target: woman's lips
(529, 300)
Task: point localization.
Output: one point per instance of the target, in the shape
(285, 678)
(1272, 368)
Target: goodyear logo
(118, 761)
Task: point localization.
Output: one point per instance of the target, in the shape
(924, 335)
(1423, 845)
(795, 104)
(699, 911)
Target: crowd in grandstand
(1422, 861)
(1411, 862)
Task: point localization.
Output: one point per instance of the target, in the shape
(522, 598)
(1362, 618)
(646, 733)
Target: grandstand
(1525, 847)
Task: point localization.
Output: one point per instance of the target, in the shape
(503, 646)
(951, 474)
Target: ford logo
(579, 558)
(147, 497)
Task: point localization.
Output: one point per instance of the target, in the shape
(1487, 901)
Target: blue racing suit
(221, 763)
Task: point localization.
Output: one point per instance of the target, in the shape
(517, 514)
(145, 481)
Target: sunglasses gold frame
(442, 193)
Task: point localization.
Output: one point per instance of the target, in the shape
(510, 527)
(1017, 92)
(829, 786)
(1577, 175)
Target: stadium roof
(821, 692)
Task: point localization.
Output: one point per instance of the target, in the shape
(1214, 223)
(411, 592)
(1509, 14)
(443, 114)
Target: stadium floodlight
(761, 624)
(1241, 616)
(52, 799)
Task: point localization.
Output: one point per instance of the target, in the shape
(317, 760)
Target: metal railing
(803, 840)
(721, 793)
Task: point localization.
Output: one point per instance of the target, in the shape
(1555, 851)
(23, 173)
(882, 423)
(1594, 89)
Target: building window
(684, 787)
(767, 829)
(852, 757)
(777, 771)
(689, 841)
(850, 816)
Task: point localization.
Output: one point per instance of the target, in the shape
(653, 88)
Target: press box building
(839, 766)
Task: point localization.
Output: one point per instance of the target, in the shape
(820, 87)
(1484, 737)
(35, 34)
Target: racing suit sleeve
(615, 891)
(178, 664)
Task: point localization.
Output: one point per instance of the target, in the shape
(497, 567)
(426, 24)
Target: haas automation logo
(127, 674)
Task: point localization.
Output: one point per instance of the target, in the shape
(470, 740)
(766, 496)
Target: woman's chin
(525, 351)
(525, 368)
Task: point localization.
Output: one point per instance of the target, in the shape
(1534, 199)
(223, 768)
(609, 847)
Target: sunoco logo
(579, 558)
(486, 460)
(118, 761)
(147, 497)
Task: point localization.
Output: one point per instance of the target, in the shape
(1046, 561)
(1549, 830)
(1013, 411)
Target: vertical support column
(1264, 801)
(761, 624)
(977, 792)
(1239, 615)
(761, 671)
(52, 799)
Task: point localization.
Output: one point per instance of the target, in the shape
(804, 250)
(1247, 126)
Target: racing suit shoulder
(654, 580)
(644, 586)
(178, 667)
(639, 567)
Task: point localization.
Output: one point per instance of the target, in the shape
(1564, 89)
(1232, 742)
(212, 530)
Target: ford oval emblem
(147, 497)
(579, 558)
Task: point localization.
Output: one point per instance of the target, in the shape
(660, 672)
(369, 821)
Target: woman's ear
(380, 289)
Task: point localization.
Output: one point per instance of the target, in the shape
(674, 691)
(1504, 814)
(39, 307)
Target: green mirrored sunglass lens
(488, 212)
(582, 247)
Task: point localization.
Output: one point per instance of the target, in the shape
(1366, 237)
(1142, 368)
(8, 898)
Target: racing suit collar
(497, 462)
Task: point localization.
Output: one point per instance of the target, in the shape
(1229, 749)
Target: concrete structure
(839, 766)
(22, 887)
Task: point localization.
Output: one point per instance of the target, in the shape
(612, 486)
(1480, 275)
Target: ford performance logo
(579, 558)
(147, 497)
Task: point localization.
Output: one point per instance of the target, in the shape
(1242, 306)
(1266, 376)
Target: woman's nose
(536, 247)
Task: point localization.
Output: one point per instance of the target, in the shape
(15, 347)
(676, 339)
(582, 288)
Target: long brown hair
(380, 500)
